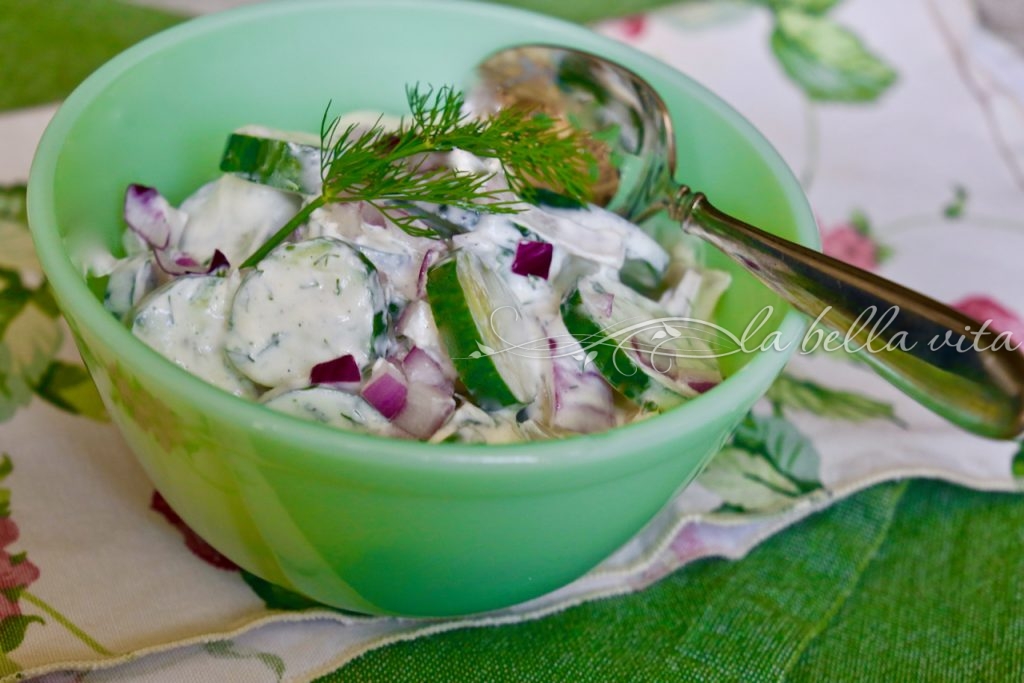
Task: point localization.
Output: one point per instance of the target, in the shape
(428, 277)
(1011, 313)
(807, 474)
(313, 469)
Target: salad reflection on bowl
(362, 521)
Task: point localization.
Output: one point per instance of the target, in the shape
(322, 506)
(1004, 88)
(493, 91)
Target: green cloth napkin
(908, 581)
(48, 46)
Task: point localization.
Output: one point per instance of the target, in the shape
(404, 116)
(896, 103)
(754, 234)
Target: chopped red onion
(146, 213)
(149, 216)
(406, 318)
(429, 259)
(370, 215)
(343, 369)
(533, 258)
(416, 324)
(701, 386)
(421, 368)
(582, 398)
(426, 409)
(387, 390)
(177, 263)
(417, 408)
(218, 261)
(667, 365)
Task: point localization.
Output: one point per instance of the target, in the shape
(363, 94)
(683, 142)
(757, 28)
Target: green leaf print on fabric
(30, 330)
(957, 205)
(793, 393)
(277, 597)
(30, 336)
(70, 388)
(18, 252)
(808, 6)
(227, 649)
(13, 204)
(748, 482)
(768, 465)
(12, 630)
(828, 61)
(785, 447)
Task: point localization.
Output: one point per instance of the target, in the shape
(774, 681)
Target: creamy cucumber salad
(557, 318)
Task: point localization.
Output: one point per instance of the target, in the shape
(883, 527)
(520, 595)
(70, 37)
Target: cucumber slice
(286, 161)
(481, 327)
(647, 355)
(128, 283)
(333, 407)
(289, 161)
(186, 321)
(590, 326)
(305, 303)
(648, 258)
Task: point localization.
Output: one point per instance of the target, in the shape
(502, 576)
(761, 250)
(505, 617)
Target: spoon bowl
(946, 361)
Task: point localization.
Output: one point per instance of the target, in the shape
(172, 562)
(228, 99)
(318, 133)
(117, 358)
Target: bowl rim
(322, 442)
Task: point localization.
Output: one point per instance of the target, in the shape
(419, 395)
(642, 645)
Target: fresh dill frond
(389, 168)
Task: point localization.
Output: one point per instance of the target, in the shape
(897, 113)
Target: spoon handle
(934, 354)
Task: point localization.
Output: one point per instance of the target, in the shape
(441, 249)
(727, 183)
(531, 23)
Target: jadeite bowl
(360, 522)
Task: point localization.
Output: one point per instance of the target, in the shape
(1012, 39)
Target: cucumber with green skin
(463, 295)
(265, 158)
(289, 161)
(633, 345)
(607, 355)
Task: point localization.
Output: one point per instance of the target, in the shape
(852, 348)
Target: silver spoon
(980, 388)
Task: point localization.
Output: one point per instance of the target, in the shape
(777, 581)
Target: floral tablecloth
(904, 121)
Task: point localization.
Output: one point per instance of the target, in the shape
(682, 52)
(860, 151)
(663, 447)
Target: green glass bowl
(361, 522)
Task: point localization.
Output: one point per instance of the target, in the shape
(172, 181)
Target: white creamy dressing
(306, 303)
(605, 248)
(235, 216)
(131, 279)
(186, 320)
(470, 424)
(416, 327)
(636, 244)
(396, 254)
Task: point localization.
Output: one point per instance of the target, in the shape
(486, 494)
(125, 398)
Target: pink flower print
(631, 28)
(193, 541)
(8, 532)
(847, 243)
(688, 544)
(1000, 319)
(16, 572)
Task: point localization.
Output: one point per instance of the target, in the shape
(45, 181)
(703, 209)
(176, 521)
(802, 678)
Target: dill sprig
(388, 168)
